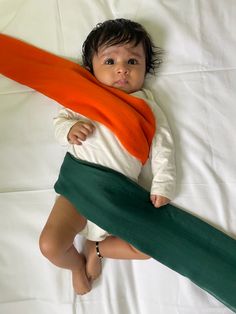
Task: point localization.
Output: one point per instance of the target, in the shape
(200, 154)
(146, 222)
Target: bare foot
(93, 265)
(81, 283)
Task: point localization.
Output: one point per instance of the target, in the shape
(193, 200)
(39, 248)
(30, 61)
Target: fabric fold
(177, 239)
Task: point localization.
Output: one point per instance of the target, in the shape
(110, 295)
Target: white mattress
(195, 88)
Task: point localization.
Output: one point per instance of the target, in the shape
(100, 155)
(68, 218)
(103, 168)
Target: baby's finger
(88, 127)
(73, 139)
(161, 201)
(153, 199)
(81, 135)
(83, 130)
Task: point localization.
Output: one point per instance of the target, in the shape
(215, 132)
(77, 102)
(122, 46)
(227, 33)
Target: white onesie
(104, 148)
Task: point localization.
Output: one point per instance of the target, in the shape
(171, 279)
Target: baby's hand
(80, 131)
(158, 200)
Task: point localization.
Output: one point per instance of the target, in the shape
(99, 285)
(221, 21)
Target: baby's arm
(71, 128)
(162, 162)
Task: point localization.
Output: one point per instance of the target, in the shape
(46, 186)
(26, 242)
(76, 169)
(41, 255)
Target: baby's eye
(132, 61)
(109, 61)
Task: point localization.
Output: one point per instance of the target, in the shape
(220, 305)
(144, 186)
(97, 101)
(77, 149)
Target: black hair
(121, 31)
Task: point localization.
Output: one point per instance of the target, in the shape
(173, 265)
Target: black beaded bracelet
(97, 250)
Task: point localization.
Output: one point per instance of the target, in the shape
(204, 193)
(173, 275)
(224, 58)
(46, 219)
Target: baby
(119, 53)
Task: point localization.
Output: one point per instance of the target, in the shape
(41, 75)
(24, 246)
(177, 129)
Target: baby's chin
(126, 89)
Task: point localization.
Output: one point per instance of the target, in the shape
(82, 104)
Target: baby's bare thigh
(65, 216)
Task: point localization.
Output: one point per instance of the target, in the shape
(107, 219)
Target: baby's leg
(93, 263)
(56, 242)
(111, 247)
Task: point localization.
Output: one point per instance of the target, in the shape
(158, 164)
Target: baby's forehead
(128, 48)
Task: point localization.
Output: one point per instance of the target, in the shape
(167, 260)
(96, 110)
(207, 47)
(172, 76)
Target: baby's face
(121, 66)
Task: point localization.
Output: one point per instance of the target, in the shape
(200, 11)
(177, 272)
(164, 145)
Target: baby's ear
(88, 68)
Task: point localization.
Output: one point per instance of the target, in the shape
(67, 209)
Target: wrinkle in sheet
(215, 33)
(196, 71)
(120, 11)
(9, 12)
(60, 38)
(133, 286)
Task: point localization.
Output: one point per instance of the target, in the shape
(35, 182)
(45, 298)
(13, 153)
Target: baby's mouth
(121, 82)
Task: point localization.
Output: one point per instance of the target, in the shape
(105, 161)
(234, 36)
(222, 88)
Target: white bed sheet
(195, 88)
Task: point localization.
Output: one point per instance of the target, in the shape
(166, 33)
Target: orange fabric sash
(128, 117)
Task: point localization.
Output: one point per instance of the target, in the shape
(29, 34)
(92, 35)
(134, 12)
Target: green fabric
(172, 236)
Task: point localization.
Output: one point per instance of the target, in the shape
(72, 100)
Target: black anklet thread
(97, 250)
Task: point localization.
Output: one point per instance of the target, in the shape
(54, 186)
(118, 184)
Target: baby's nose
(122, 68)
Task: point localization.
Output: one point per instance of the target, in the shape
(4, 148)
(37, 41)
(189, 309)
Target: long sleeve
(162, 158)
(63, 123)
